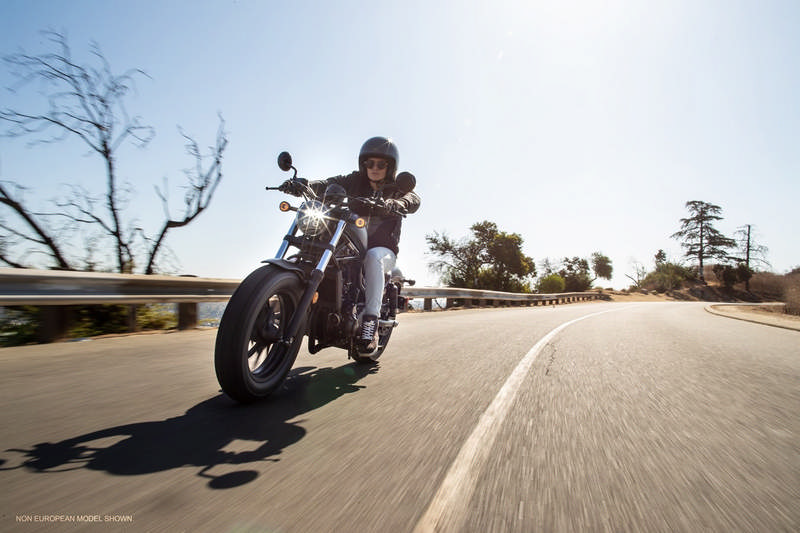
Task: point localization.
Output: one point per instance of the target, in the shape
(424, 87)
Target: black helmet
(380, 147)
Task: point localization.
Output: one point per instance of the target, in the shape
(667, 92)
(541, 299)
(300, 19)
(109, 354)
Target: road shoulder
(757, 313)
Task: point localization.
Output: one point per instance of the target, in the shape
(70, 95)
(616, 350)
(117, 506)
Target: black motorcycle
(317, 291)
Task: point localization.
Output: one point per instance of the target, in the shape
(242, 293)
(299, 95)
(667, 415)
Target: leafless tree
(202, 185)
(14, 237)
(752, 254)
(640, 272)
(88, 103)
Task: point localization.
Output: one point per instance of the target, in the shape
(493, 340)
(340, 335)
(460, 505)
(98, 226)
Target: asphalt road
(587, 417)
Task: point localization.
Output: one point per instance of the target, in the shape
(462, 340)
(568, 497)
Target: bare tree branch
(44, 237)
(202, 185)
(87, 101)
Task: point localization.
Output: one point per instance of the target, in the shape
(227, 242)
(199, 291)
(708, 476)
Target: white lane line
(448, 506)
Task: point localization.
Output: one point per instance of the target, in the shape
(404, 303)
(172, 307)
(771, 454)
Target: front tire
(250, 359)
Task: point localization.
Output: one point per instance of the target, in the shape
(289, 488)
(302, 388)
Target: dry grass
(636, 296)
(784, 288)
(792, 294)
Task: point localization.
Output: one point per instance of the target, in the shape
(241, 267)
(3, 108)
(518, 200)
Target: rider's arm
(410, 201)
(345, 181)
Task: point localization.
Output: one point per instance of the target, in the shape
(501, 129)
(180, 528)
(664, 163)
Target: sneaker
(368, 339)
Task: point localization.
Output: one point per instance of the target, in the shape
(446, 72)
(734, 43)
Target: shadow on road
(200, 436)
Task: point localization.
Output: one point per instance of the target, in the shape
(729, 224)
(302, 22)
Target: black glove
(295, 187)
(361, 206)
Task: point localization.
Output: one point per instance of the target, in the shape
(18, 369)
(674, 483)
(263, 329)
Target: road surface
(588, 417)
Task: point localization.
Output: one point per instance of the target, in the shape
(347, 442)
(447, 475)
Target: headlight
(311, 218)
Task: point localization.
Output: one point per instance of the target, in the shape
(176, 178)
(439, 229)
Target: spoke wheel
(251, 357)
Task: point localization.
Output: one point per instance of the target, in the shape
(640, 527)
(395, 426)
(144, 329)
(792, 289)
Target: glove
(395, 207)
(361, 206)
(293, 187)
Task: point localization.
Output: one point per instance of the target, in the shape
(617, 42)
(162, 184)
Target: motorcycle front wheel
(250, 358)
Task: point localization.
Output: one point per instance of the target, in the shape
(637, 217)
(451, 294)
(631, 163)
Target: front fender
(291, 267)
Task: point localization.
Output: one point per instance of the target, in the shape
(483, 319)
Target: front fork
(313, 281)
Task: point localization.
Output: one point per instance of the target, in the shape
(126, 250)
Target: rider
(377, 171)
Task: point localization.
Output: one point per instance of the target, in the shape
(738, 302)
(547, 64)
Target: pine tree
(699, 237)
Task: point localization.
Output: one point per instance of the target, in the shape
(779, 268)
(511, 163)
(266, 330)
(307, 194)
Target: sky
(583, 126)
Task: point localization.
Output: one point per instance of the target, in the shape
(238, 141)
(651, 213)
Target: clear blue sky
(584, 126)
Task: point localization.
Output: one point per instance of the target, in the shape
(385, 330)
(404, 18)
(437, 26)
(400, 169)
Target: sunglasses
(371, 163)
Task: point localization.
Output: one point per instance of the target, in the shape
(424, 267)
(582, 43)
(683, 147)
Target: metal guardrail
(473, 297)
(58, 288)
(62, 287)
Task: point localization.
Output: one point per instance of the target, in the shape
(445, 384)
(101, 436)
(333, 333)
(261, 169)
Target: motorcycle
(318, 292)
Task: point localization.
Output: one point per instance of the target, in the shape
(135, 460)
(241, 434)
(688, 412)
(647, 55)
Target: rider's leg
(378, 262)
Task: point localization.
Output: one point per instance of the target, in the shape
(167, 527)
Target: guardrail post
(54, 323)
(133, 325)
(427, 305)
(187, 315)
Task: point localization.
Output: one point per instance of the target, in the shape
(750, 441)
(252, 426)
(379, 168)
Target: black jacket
(383, 230)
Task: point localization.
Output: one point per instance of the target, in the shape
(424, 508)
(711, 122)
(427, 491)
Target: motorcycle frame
(312, 279)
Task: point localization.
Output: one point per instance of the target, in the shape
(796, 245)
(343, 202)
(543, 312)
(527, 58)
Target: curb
(750, 318)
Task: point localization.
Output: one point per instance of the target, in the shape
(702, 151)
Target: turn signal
(316, 297)
(360, 222)
(285, 206)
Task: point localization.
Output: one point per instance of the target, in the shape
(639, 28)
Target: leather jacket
(383, 230)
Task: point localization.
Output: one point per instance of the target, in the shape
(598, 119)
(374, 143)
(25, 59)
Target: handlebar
(372, 203)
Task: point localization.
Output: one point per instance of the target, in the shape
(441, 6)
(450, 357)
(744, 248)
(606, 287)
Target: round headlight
(311, 218)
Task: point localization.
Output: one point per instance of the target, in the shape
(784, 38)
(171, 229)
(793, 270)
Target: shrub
(769, 285)
(667, 277)
(550, 284)
(18, 325)
(730, 275)
(157, 316)
(785, 288)
(791, 293)
(91, 320)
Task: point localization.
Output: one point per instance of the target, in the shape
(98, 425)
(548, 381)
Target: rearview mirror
(285, 161)
(405, 182)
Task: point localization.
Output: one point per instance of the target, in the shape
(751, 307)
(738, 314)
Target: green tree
(699, 237)
(550, 284)
(491, 260)
(575, 272)
(601, 265)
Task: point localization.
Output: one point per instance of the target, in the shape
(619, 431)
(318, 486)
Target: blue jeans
(378, 262)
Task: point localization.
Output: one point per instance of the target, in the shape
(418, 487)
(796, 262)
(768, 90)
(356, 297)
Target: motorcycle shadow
(201, 435)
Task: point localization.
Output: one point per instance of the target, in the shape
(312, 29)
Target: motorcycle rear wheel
(250, 359)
